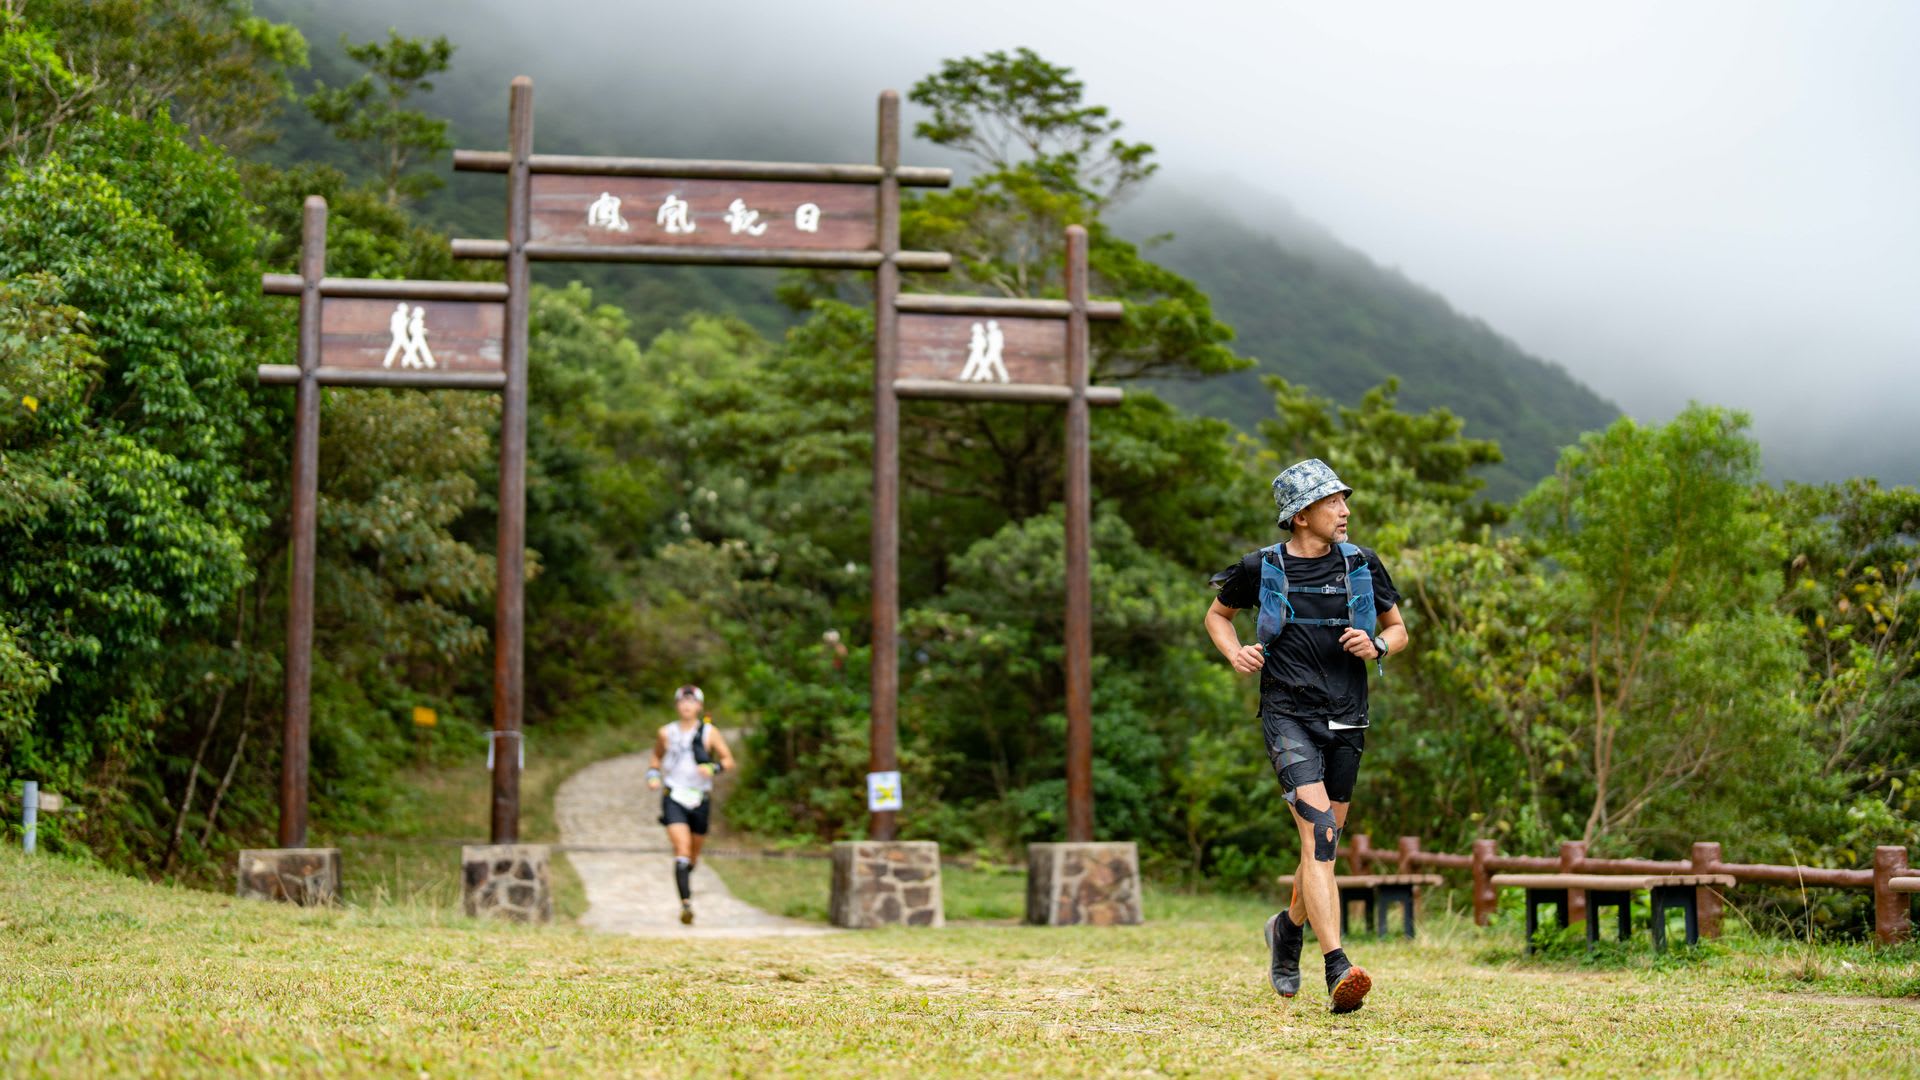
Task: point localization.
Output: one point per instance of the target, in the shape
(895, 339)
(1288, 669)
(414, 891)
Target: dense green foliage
(1653, 648)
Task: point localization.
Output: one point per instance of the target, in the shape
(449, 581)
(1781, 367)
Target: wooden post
(1571, 852)
(1892, 923)
(301, 527)
(1079, 658)
(1359, 852)
(1705, 857)
(885, 679)
(509, 659)
(1409, 847)
(1485, 900)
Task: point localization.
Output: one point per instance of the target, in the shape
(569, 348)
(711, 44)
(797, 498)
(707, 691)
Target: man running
(687, 754)
(1327, 609)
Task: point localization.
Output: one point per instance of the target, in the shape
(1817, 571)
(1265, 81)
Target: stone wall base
(1095, 884)
(506, 881)
(886, 883)
(309, 877)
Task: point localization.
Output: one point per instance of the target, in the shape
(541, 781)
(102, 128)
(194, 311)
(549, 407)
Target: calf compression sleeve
(682, 876)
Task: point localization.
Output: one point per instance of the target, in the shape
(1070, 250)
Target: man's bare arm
(1392, 628)
(1246, 659)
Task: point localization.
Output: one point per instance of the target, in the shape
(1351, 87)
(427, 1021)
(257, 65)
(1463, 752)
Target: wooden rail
(1892, 919)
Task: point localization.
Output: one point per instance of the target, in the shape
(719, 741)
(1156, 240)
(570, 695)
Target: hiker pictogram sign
(418, 335)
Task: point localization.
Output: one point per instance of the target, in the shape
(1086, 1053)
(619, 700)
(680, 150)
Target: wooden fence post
(1706, 860)
(1571, 853)
(1361, 852)
(1485, 900)
(1891, 923)
(1409, 846)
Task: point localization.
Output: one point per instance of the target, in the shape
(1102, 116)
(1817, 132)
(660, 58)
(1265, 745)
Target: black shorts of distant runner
(672, 813)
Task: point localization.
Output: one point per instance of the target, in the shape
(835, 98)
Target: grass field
(103, 975)
(100, 974)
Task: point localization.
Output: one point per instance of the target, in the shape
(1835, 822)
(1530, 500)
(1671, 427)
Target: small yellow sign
(424, 717)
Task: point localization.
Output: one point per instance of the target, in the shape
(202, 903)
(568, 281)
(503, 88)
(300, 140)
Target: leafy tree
(1851, 588)
(148, 534)
(371, 112)
(1851, 584)
(47, 367)
(211, 64)
(1013, 111)
(42, 92)
(1415, 477)
(1669, 571)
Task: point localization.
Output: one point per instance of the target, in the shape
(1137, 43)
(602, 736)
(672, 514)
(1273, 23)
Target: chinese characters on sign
(616, 210)
(673, 215)
(605, 212)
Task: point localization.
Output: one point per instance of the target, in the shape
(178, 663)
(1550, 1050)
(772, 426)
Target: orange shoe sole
(1351, 990)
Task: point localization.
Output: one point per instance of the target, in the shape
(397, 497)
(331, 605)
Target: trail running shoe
(686, 917)
(1283, 943)
(1350, 989)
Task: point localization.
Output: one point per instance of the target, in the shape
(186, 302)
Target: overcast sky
(1713, 200)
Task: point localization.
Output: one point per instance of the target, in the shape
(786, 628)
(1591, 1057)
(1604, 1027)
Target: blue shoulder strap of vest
(1276, 610)
(1360, 596)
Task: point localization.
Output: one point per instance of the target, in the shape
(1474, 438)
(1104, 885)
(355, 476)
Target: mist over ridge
(1647, 312)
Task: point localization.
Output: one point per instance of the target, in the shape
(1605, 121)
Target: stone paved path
(630, 886)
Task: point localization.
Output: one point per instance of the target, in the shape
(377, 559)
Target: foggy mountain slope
(1327, 317)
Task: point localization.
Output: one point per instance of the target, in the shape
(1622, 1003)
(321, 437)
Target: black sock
(1337, 965)
(682, 873)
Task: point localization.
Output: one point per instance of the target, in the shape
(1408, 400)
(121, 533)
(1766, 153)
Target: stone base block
(506, 881)
(890, 883)
(1083, 884)
(306, 876)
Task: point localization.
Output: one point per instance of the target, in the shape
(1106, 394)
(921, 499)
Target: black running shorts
(1306, 751)
(672, 813)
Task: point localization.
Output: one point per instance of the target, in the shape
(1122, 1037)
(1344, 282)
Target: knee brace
(1326, 830)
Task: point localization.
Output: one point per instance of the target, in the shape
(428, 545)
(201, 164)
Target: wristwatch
(1380, 646)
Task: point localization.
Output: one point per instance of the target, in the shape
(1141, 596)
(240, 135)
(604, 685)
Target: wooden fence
(1892, 920)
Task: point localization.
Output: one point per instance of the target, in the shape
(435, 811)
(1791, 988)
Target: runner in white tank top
(687, 754)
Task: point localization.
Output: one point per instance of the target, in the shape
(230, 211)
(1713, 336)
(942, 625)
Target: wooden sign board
(412, 335)
(612, 211)
(1012, 350)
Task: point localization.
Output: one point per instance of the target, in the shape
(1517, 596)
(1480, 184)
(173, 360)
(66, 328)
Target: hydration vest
(1276, 610)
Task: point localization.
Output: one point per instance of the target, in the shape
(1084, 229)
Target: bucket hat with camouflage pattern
(1302, 484)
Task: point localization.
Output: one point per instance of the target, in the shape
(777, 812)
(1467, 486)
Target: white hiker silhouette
(417, 350)
(398, 326)
(976, 354)
(996, 367)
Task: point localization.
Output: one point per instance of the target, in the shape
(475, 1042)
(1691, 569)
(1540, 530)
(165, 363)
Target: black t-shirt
(1308, 676)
